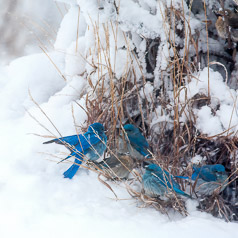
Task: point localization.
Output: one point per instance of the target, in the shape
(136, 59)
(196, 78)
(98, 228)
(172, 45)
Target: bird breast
(221, 28)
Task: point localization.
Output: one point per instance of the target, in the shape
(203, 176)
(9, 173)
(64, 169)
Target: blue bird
(208, 178)
(135, 142)
(157, 182)
(91, 144)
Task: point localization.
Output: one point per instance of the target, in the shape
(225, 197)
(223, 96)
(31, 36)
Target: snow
(20, 80)
(207, 123)
(147, 91)
(75, 58)
(68, 29)
(212, 121)
(197, 159)
(35, 199)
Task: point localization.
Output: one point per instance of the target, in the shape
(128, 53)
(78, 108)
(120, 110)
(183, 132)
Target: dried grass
(116, 101)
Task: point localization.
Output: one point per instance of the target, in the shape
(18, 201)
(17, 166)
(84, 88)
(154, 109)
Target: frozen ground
(35, 199)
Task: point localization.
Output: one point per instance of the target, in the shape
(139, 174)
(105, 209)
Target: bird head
(218, 169)
(131, 129)
(98, 127)
(220, 173)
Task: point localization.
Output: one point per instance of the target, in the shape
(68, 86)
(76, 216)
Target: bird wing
(81, 142)
(206, 174)
(181, 177)
(140, 145)
(179, 191)
(163, 178)
(109, 162)
(166, 180)
(143, 141)
(72, 140)
(171, 184)
(88, 140)
(139, 139)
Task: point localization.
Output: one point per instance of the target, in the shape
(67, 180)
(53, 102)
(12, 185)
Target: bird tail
(50, 141)
(58, 141)
(186, 195)
(182, 177)
(179, 191)
(71, 171)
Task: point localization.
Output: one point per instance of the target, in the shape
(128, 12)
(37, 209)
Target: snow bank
(35, 199)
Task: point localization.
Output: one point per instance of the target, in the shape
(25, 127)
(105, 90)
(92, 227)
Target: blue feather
(158, 182)
(208, 178)
(91, 144)
(137, 144)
